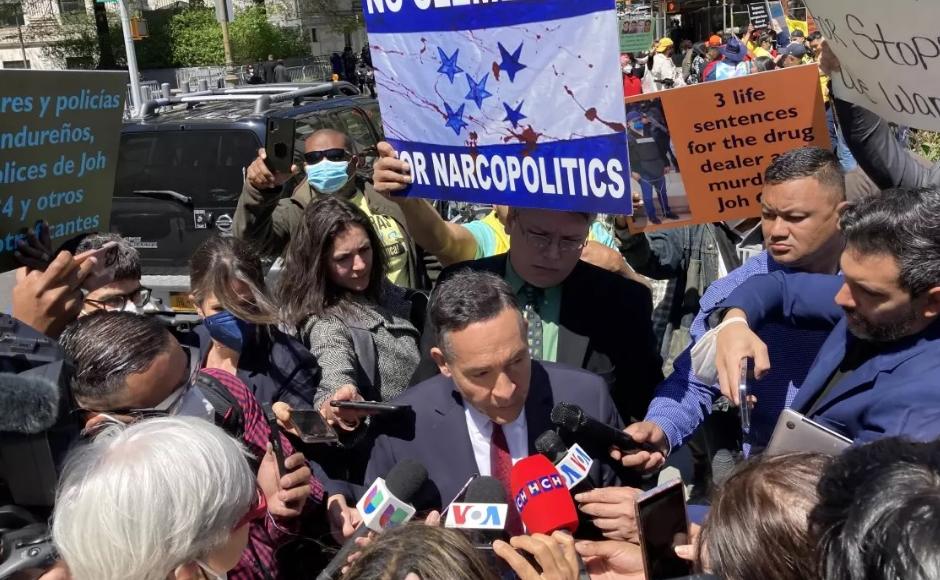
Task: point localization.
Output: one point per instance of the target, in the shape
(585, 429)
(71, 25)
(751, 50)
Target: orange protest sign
(698, 153)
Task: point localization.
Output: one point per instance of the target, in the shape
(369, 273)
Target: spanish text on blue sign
(59, 134)
(513, 103)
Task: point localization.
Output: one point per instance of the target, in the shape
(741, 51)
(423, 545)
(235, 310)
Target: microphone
(722, 466)
(573, 464)
(384, 505)
(542, 497)
(483, 512)
(29, 404)
(588, 430)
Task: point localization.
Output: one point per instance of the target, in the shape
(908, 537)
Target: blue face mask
(638, 125)
(228, 330)
(328, 176)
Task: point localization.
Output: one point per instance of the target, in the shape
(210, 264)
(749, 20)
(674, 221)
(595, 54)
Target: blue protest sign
(511, 102)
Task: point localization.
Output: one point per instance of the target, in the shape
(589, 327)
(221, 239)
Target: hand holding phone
(279, 144)
(274, 435)
(663, 524)
(102, 272)
(370, 407)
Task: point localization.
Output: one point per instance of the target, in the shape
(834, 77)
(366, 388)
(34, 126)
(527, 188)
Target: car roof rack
(263, 96)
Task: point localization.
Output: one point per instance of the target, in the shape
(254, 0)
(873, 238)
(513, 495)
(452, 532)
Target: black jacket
(605, 327)
(274, 366)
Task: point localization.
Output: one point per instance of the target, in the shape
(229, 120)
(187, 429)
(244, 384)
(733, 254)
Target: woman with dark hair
(758, 524)
(239, 331)
(334, 293)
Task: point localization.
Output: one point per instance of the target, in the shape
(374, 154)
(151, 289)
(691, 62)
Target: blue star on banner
(510, 63)
(478, 90)
(514, 115)
(449, 64)
(455, 119)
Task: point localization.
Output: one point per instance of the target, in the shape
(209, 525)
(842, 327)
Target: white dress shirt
(480, 428)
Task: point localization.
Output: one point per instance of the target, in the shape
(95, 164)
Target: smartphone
(663, 524)
(312, 426)
(274, 436)
(103, 271)
(279, 144)
(370, 406)
(744, 406)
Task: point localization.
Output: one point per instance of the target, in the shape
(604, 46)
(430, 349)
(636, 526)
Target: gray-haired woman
(162, 499)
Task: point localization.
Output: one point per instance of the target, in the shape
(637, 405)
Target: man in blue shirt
(878, 371)
(803, 192)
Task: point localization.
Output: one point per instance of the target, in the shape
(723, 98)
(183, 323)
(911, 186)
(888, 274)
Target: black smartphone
(279, 144)
(274, 436)
(370, 406)
(663, 524)
(312, 426)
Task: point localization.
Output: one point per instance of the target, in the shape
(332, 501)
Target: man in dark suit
(878, 372)
(491, 400)
(578, 314)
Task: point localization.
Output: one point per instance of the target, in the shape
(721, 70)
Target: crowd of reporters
(192, 461)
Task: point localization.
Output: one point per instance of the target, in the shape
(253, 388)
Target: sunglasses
(258, 509)
(314, 157)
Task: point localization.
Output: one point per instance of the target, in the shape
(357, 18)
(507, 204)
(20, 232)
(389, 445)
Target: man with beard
(878, 373)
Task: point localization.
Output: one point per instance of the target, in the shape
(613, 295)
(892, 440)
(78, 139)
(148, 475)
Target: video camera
(35, 434)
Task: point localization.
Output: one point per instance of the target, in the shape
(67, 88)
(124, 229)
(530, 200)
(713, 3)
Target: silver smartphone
(742, 398)
(795, 433)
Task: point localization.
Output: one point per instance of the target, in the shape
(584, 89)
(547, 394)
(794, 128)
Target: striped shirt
(681, 401)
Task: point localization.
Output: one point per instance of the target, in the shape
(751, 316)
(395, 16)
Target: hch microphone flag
(541, 496)
(514, 102)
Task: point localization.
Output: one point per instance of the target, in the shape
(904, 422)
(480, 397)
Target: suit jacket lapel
(538, 405)
(827, 361)
(451, 434)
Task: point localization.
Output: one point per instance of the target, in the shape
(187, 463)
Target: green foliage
(196, 38)
(254, 38)
(342, 21)
(927, 143)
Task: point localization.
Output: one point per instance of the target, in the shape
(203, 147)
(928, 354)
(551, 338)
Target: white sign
(477, 516)
(890, 55)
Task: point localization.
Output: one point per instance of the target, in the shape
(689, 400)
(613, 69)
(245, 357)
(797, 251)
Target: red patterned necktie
(500, 468)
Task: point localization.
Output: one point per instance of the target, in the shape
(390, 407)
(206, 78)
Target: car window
(356, 125)
(374, 112)
(204, 165)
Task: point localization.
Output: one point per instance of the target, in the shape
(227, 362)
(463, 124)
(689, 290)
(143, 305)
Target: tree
(196, 38)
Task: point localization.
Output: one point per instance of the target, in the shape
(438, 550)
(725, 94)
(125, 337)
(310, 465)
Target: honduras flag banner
(514, 102)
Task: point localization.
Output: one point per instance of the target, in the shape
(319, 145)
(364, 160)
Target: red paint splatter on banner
(528, 136)
(496, 71)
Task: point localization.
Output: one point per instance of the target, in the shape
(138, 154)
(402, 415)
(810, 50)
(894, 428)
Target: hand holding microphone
(649, 452)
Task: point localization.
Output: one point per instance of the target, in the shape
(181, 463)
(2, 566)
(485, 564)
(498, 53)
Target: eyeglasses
(258, 509)
(544, 242)
(314, 157)
(139, 298)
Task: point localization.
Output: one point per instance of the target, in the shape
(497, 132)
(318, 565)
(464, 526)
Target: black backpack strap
(419, 307)
(228, 413)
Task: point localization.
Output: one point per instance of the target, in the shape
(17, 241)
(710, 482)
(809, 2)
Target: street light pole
(223, 16)
(131, 56)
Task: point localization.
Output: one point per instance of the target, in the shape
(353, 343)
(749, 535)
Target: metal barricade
(147, 89)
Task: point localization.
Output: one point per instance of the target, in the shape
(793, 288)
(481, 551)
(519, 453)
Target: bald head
(323, 139)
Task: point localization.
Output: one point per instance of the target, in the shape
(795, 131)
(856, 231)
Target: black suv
(182, 165)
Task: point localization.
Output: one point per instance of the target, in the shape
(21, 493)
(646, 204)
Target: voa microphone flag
(515, 102)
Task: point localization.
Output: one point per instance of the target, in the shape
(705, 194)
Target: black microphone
(402, 483)
(29, 404)
(469, 517)
(551, 445)
(588, 430)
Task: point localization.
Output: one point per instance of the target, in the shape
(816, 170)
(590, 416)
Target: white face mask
(627, 69)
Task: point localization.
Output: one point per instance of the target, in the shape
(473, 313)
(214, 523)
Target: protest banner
(890, 55)
(59, 134)
(758, 15)
(700, 151)
(515, 103)
(775, 10)
(636, 30)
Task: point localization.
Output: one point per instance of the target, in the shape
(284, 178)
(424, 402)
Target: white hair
(140, 501)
